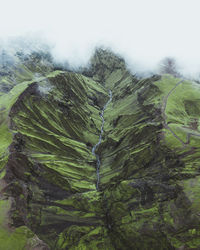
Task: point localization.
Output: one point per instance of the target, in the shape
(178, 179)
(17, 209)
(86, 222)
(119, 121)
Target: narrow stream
(98, 164)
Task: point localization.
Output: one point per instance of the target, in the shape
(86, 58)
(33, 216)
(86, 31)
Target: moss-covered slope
(149, 189)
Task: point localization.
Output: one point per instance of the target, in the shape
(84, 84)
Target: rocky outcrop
(148, 195)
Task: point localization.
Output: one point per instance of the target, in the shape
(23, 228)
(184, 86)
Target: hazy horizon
(143, 32)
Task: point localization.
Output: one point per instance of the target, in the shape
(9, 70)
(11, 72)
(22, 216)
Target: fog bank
(142, 31)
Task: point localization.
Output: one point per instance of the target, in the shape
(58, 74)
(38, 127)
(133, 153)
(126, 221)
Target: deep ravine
(98, 162)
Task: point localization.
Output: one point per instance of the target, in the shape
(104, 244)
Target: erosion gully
(98, 162)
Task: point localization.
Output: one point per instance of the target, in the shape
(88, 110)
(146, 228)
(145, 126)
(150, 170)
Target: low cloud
(142, 31)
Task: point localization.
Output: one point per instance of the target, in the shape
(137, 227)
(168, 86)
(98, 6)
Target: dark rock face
(149, 188)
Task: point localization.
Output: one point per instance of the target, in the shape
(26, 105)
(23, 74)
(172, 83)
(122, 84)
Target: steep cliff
(148, 195)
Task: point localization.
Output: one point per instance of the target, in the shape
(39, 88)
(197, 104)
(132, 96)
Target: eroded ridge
(98, 163)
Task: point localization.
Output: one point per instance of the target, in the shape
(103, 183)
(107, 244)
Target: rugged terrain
(148, 196)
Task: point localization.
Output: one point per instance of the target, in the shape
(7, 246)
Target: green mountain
(148, 194)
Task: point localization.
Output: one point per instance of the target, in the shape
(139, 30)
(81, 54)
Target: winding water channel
(98, 162)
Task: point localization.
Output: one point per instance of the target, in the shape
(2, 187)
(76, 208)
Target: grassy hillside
(148, 196)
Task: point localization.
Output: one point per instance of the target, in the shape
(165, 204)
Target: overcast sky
(143, 31)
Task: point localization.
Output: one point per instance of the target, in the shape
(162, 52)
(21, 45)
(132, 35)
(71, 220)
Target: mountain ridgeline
(148, 194)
